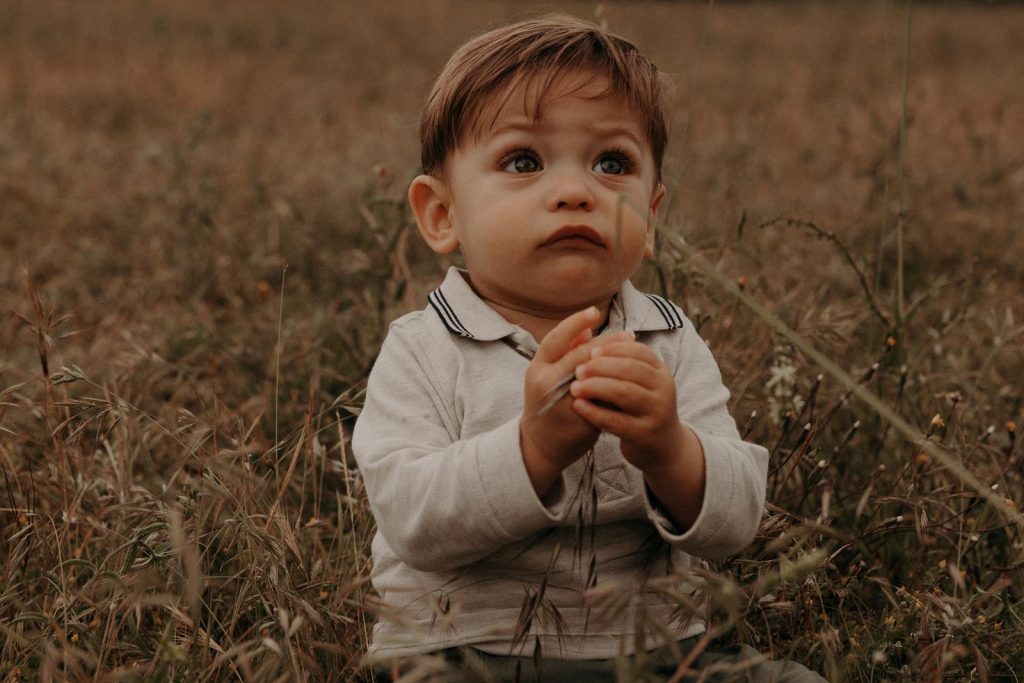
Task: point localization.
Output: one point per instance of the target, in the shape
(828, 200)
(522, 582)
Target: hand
(625, 389)
(553, 441)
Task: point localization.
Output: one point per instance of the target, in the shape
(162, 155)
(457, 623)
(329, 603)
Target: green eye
(521, 163)
(611, 164)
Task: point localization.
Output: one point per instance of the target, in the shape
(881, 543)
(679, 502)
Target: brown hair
(548, 47)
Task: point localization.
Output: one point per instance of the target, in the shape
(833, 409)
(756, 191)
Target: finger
(620, 337)
(581, 354)
(561, 338)
(566, 367)
(616, 367)
(623, 395)
(606, 418)
(582, 338)
(629, 349)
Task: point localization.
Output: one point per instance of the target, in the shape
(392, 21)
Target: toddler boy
(542, 434)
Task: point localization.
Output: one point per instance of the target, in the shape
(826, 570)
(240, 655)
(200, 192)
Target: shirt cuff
(702, 538)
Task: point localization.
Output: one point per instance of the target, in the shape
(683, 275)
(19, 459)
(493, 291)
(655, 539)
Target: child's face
(550, 213)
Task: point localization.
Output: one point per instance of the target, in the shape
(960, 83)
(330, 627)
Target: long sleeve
(439, 501)
(736, 471)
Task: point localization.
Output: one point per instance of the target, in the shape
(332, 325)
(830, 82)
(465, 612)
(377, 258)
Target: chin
(578, 295)
(586, 277)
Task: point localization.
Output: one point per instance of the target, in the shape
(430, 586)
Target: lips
(576, 233)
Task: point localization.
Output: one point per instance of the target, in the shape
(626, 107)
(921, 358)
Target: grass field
(203, 237)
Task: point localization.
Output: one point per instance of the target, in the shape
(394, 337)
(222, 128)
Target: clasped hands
(620, 387)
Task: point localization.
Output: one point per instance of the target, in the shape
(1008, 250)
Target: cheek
(637, 239)
(634, 225)
(494, 224)
(481, 244)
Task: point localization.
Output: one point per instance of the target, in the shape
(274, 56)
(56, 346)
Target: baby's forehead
(527, 95)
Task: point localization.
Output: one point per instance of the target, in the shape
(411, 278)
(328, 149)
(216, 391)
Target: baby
(546, 450)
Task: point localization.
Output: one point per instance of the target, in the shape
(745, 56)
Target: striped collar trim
(448, 316)
(670, 313)
(466, 315)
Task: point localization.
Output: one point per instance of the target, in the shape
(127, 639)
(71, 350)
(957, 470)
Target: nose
(571, 190)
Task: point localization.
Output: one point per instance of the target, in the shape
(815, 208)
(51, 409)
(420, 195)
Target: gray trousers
(736, 664)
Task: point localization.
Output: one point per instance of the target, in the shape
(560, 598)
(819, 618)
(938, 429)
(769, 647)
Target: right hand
(553, 441)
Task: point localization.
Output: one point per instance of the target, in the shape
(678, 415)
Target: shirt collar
(466, 315)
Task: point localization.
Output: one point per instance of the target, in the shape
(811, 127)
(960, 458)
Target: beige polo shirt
(463, 541)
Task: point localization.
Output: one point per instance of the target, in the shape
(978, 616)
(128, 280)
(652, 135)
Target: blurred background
(203, 238)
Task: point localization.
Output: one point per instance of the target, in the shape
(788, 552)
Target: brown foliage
(176, 493)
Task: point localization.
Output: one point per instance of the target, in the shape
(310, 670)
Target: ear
(652, 218)
(431, 202)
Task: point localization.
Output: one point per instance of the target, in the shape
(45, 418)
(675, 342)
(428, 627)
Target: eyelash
(621, 155)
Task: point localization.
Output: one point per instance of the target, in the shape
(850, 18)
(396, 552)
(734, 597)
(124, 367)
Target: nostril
(583, 204)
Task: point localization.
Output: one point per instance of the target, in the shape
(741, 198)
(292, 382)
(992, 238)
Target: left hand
(626, 390)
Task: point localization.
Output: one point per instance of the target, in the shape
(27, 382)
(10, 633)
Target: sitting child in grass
(547, 451)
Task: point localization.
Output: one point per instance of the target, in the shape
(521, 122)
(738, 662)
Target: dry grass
(173, 506)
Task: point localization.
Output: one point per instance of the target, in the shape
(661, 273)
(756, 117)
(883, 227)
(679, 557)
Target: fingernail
(579, 371)
(595, 352)
(574, 388)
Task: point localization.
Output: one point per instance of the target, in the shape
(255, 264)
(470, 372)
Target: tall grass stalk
(277, 373)
(901, 220)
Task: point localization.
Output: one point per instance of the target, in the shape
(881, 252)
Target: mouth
(576, 234)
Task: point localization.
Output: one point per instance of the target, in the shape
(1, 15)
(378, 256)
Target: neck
(539, 323)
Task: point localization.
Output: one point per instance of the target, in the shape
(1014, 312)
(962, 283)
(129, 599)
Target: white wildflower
(781, 385)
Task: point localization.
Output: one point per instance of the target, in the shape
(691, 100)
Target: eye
(520, 161)
(613, 163)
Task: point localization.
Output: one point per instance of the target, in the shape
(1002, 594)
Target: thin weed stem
(902, 189)
(869, 294)
(277, 375)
